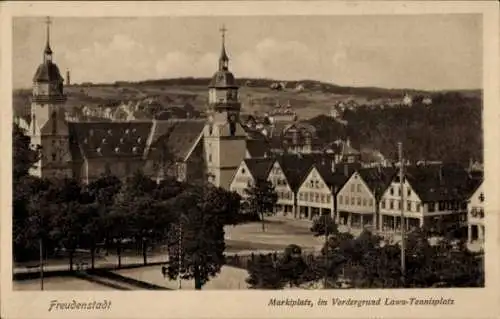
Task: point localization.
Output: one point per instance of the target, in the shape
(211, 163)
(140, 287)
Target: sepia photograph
(274, 153)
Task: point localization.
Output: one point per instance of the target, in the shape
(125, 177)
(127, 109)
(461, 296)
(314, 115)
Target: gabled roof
(259, 167)
(257, 148)
(179, 136)
(439, 182)
(377, 179)
(296, 166)
(334, 179)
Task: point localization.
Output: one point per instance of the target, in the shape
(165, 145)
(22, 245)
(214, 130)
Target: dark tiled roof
(439, 182)
(109, 139)
(179, 136)
(47, 72)
(334, 179)
(257, 148)
(295, 167)
(378, 179)
(259, 167)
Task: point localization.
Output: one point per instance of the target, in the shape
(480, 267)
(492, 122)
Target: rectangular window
(328, 198)
(371, 202)
(353, 189)
(340, 199)
(353, 200)
(383, 203)
(301, 196)
(409, 192)
(391, 204)
(322, 198)
(432, 207)
(359, 201)
(317, 198)
(364, 201)
(359, 188)
(442, 206)
(392, 191)
(408, 206)
(418, 207)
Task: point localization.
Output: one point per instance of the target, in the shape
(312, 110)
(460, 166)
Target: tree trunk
(119, 253)
(92, 255)
(144, 252)
(197, 278)
(71, 255)
(262, 220)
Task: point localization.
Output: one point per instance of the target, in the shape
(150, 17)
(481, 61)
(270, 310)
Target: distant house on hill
(299, 87)
(407, 100)
(343, 151)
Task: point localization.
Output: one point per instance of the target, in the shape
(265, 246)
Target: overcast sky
(420, 51)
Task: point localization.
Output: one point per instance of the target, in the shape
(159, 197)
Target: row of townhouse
(431, 196)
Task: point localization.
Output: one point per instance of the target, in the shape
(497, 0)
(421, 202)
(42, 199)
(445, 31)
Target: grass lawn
(229, 278)
(279, 233)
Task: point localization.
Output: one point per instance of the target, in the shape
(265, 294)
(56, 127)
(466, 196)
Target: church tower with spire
(48, 127)
(224, 137)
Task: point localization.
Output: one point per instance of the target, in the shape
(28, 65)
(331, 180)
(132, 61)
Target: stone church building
(191, 149)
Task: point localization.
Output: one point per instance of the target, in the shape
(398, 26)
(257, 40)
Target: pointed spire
(223, 60)
(48, 50)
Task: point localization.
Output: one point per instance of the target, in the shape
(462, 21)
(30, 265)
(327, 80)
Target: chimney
(68, 80)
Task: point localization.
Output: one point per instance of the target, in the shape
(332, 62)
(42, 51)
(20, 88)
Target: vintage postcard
(250, 159)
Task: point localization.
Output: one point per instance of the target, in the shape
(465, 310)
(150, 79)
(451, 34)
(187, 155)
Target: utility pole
(41, 263)
(326, 251)
(334, 202)
(180, 254)
(403, 224)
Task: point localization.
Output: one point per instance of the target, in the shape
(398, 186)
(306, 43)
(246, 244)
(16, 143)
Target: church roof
(178, 135)
(223, 79)
(108, 139)
(47, 72)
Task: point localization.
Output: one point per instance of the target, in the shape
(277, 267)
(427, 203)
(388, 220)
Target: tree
(24, 155)
(292, 266)
(264, 273)
(324, 222)
(26, 216)
(262, 198)
(196, 239)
